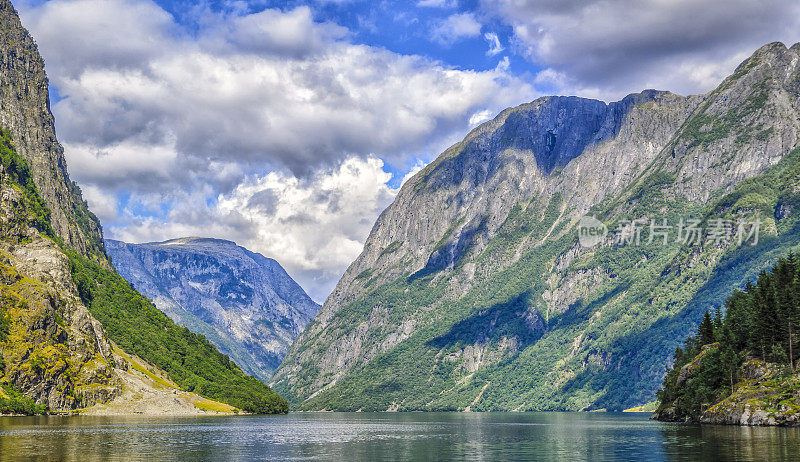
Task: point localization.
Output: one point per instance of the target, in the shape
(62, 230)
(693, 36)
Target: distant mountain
(473, 290)
(242, 302)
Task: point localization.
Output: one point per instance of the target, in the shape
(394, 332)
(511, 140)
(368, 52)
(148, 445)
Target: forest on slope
(744, 359)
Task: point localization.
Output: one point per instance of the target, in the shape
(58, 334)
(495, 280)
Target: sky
(288, 126)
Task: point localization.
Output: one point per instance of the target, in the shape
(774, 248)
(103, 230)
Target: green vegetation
(4, 328)
(391, 248)
(214, 406)
(87, 222)
(14, 402)
(704, 129)
(761, 321)
(448, 232)
(364, 274)
(647, 407)
(15, 171)
(139, 328)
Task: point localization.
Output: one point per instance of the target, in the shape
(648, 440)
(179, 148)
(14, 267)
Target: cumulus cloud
(300, 99)
(619, 46)
(89, 34)
(456, 27)
(480, 117)
(287, 33)
(175, 128)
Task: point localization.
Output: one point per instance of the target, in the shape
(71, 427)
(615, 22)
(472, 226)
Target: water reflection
(388, 437)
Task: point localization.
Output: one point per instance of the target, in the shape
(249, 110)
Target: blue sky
(289, 126)
(399, 26)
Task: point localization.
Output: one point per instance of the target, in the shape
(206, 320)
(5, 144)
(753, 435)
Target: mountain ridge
(482, 240)
(25, 112)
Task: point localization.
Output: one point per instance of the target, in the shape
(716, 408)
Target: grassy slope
(130, 319)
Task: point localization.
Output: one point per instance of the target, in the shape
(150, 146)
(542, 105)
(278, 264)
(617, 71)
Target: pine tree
(763, 319)
(728, 355)
(784, 276)
(706, 330)
(739, 321)
(766, 316)
(794, 314)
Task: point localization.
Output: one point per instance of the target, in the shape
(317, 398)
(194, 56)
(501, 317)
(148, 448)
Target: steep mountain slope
(25, 113)
(473, 292)
(73, 333)
(244, 303)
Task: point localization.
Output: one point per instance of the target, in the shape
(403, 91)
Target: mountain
(26, 115)
(73, 334)
(244, 303)
(473, 291)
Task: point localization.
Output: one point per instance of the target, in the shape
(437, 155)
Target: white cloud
(335, 210)
(414, 170)
(480, 117)
(495, 47)
(85, 34)
(437, 3)
(292, 33)
(302, 99)
(621, 46)
(103, 205)
(176, 129)
(456, 27)
(314, 226)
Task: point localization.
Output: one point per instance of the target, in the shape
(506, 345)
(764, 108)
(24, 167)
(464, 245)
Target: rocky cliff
(52, 350)
(244, 303)
(25, 113)
(766, 395)
(473, 292)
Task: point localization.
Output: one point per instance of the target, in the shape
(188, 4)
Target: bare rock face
(478, 253)
(25, 112)
(244, 303)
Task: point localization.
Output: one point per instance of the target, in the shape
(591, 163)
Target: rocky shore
(767, 395)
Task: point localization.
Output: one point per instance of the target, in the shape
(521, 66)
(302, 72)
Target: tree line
(760, 322)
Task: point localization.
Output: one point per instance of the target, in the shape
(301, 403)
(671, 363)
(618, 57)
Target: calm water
(415, 436)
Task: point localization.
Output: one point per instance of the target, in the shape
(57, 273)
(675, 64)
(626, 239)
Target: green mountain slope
(132, 322)
(473, 292)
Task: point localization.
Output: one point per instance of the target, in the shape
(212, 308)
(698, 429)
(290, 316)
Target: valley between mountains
(473, 291)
